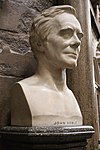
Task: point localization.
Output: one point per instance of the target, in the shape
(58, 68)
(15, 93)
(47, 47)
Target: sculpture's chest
(43, 106)
(43, 101)
(48, 102)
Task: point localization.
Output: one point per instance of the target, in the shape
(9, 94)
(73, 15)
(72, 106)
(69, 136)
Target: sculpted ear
(41, 45)
(39, 42)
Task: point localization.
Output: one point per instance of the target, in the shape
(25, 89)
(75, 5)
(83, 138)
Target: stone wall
(16, 59)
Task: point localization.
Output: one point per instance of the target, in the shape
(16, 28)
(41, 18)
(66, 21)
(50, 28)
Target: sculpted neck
(52, 76)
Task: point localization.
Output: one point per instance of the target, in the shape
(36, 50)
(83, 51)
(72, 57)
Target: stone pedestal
(46, 138)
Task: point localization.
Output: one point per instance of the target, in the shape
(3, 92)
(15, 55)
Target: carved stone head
(56, 33)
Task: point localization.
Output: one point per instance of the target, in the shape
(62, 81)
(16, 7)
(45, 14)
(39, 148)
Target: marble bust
(44, 98)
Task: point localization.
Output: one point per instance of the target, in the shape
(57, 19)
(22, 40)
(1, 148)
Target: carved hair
(42, 25)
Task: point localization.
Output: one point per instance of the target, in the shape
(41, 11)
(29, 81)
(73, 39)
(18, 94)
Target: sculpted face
(63, 42)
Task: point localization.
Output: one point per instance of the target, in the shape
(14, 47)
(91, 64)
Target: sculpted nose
(75, 42)
(75, 45)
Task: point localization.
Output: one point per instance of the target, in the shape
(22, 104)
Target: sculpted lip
(71, 53)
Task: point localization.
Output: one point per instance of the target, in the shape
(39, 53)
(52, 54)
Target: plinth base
(46, 138)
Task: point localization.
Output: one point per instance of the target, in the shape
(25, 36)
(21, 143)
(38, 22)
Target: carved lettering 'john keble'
(44, 98)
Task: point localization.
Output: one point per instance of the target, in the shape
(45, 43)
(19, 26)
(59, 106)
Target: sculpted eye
(80, 35)
(66, 33)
